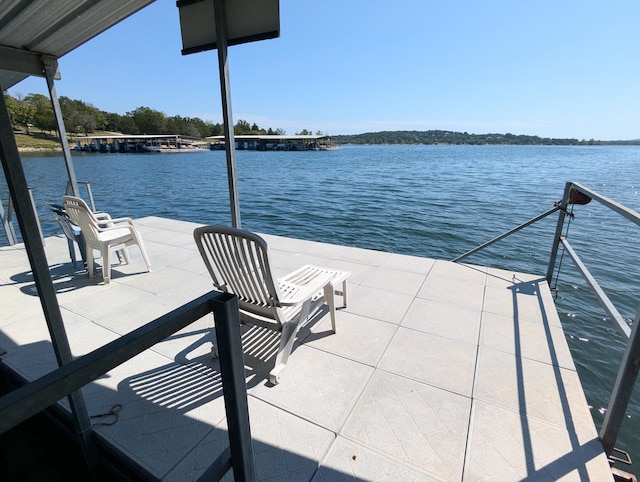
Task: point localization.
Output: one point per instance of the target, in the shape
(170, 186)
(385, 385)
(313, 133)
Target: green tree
(43, 117)
(149, 121)
(217, 130)
(242, 127)
(21, 112)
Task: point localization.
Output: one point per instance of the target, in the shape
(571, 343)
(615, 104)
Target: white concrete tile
(431, 359)
(532, 340)
(412, 264)
(350, 462)
(539, 390)
(524, 301)
(378, 304)
(504, 446)
(423, 426)
(453, 291)
(168, 409)
(500, 278)
(358, 271)
(364, 256)
(317, 386)
(468, 273)
(443, 319)
(394, 280)
(159, 280)
(357, 338)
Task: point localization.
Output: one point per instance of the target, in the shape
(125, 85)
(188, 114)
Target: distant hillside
(449, 137)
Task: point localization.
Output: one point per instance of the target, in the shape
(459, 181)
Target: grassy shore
(43, 141)
(37, 142)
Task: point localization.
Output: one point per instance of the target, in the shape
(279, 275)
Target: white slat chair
(238, 262)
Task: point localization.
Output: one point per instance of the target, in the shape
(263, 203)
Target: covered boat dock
(275, 142)
(136, 143)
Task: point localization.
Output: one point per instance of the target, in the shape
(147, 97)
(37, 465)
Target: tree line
(35, 110)
(456, 138)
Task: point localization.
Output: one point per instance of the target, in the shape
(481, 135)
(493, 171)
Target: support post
(227, 118)
(229, 340)
(5, 216)
(51, 71)
(19, 192)
(558, 234)
(622, 390)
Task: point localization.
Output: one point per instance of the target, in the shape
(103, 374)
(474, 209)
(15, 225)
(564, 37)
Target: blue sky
(562, 68)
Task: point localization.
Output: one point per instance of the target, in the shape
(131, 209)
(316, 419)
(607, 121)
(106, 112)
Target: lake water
(432, 201)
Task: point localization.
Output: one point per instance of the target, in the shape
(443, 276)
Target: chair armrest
(104, 229)
(112, 222)
(294, 293)
(121, 220)
(101, 216)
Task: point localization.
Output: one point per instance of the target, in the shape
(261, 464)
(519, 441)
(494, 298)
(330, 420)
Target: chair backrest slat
(82, 216)
(238, 262)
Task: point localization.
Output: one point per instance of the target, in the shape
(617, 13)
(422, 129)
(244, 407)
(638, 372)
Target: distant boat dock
(275, 143)
(157, 143)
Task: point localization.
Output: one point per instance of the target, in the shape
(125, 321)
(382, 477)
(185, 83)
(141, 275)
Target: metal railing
(7, 220)
(36, 396)
(6, 217)
(630, 365)
(575, 193)
(87, 185)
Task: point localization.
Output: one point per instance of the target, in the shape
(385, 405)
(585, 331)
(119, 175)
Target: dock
(275, 142)
(438, 370)
(145, 143)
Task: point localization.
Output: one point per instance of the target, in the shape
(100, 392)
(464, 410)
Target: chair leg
(344, 293)
(124, 253)
(287, 337)
(106, 265)
(90, 260)
(144, 253)
(330, 299)
(72, 252)
(81, 247)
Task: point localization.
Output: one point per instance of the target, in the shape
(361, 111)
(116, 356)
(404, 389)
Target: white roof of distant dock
(266, 137)
(138, 136)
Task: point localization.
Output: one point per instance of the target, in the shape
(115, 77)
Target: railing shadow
(575, 459)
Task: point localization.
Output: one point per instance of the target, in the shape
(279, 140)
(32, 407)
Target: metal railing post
(32, 237)
(229, 339)
(622, 389)
(5, 216)
(556, 238)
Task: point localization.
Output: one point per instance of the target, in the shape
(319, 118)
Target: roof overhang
(44, 30)
(246, 21)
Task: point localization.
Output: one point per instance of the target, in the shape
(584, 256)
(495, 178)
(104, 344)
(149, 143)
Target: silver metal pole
(504, 235)
(6, 223)
(622, 390)
(51, 70)
(27, 220)
(558, 234)
(227, 118)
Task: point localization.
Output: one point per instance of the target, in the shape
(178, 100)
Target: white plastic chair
(104, 234)
(238, 262)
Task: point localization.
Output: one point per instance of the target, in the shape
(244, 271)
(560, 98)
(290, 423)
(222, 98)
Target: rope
(113, 412)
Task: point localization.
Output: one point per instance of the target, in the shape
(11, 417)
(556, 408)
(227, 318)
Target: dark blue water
(434, 201)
